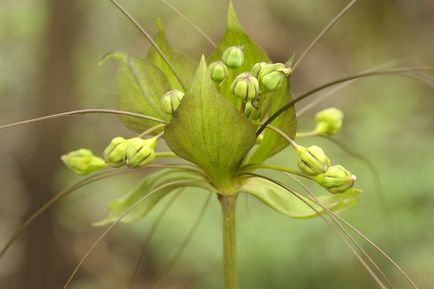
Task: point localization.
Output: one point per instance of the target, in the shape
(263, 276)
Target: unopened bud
(218, 71)
(171, 100)
(257, 68)
(312, 160)
(114, 154)
(329, 121)
(83, 162)
(233, 56)
(245, 86)
(140, 152)
(336, 179)
(272, 76)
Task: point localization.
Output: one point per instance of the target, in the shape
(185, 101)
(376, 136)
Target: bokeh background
(49, 52)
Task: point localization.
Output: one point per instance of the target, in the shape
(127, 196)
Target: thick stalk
(228, 204)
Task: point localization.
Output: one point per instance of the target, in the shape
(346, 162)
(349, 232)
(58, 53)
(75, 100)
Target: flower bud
(312, 160)
(245, 86)
(329, 121)
(336, 179)
(140, 152)
(257, 68)
(272, 76)
(171, 100)
(233, 56)
(218, 71)
(114, 154)
(83, 162)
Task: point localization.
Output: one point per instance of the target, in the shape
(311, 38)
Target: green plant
(227, 125)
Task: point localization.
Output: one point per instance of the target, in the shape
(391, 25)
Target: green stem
(228, 204)
(306, 134)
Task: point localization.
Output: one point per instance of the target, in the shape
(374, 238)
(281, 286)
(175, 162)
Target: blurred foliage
(388, 120)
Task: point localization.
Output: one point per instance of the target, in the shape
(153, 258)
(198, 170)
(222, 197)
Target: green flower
(245, 86)
(218, 71)
(114, 154)
(257, 68)
(233, 57)
(329, 121)
(171, 100)
(312, 160)
(336, 179)
(83, 162)
(140, 152)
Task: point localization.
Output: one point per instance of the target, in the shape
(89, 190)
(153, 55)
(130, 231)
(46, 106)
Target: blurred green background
(49, 52)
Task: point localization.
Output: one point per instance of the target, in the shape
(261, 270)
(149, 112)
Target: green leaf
(149, 184)
(184, 66)
(282, 201)
(272, 142)
(236, 36)
(140, 87)
(209, 131)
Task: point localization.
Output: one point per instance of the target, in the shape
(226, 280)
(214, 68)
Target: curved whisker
(329, 212)
(183, 245)
(71, 189)
(84, 111)
(189, 21)
(150, 235)
(335, 229)
(149, 38)
(112, 226)
(393, 72)
(323, 32)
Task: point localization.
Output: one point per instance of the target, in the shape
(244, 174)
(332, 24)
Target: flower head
(114, 154)
(83, 162)
(329, 121)
(312, 160)
(245, 86)
(336, 179)
(171, 100)
(140, 152)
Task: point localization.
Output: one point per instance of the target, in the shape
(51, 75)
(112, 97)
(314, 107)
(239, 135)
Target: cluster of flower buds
(314, 162)
(134, 152)
(329, 121)
(83, 162)
(171, 100)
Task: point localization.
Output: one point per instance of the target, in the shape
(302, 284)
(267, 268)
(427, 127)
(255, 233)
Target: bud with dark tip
(171, 100)
(272, 76)
(114, 154)
(140, 152)
(312, 160)
(336, 179)
(257, 68)
(233, 56)
(218, 71)
(329, 121)
(83, 162)
(245, 86)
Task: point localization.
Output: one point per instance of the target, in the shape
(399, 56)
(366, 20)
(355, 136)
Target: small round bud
(312, 160)
(245, 86)
(329, 121)
(218, 71)
(272, 76)
(140, 152)
(171, 100)
(336, 179)
(114, 154)
(257, 68)
(83, 162)
(233, 56)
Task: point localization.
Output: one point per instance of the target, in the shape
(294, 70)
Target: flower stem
(228, 204)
